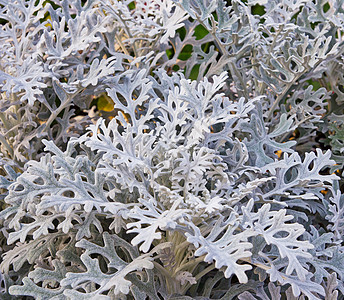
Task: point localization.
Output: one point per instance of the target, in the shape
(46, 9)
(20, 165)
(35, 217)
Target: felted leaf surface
(225, 246)
(107, 281)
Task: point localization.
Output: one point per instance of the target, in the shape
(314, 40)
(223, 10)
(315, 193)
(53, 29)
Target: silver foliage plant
(215, 175)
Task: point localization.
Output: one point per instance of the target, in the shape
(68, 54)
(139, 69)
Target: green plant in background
(158, 149)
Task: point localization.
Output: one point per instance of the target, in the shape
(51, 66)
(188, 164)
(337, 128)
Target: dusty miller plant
(213, 171)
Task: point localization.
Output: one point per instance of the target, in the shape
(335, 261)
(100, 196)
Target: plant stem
(7, 146)
(280, 97)
(63, 105)
(190, 263)
(233, 69)
(198, 276)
